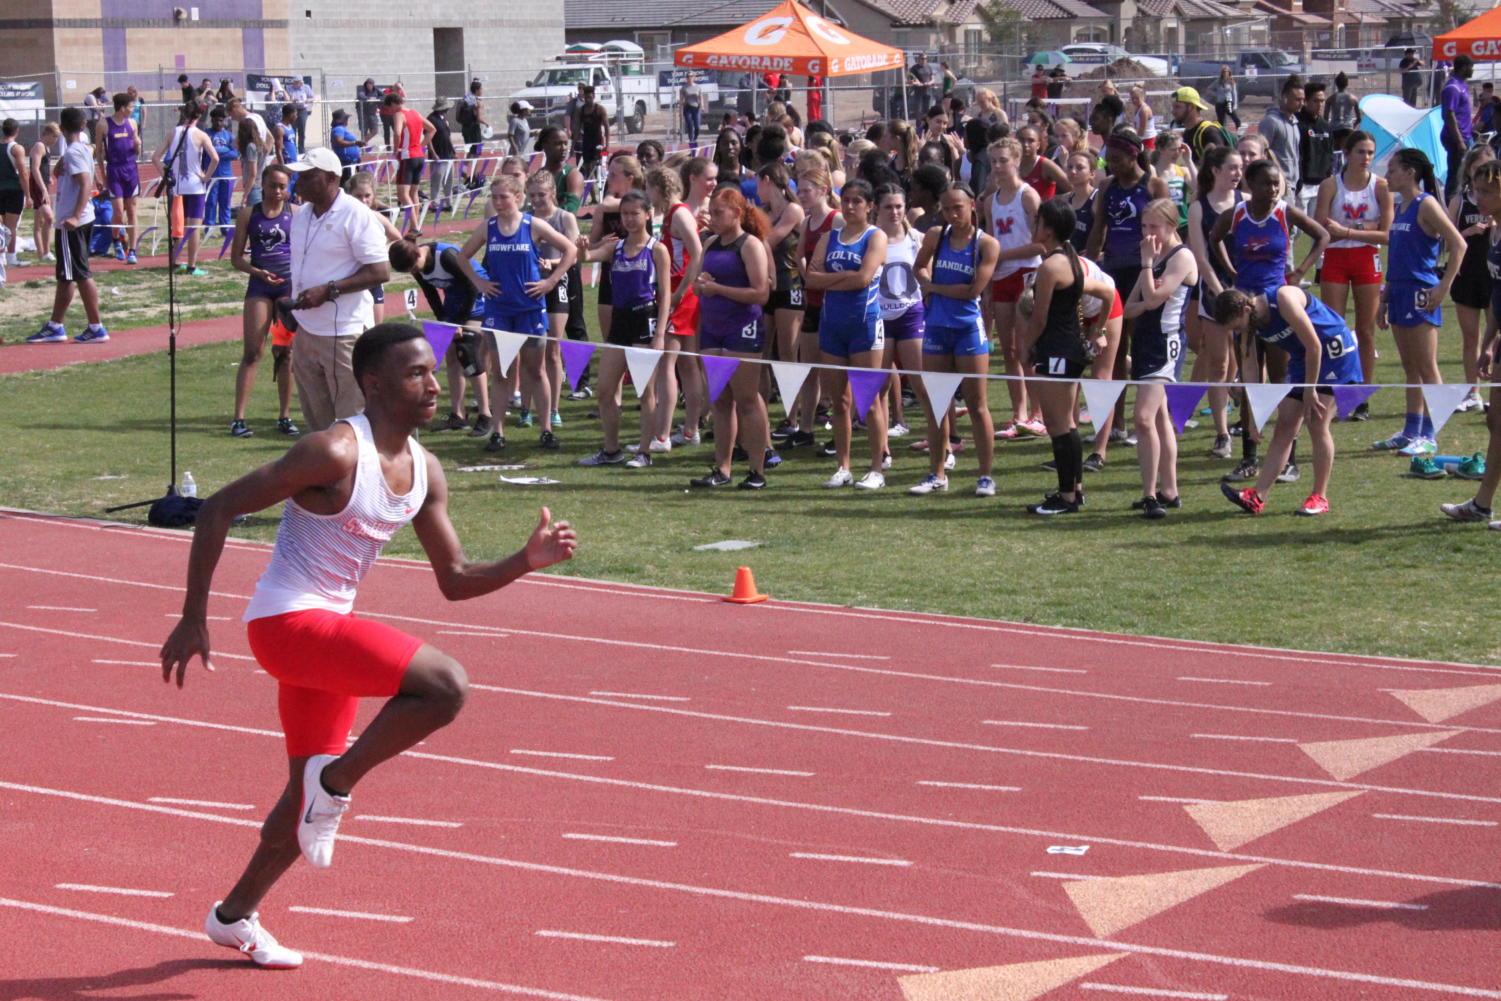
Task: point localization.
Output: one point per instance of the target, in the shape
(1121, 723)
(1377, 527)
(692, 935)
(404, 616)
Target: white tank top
(899, 291)
(1008, 224)
(1089, 305)
(186, 165)
(1355, 209)
(320, 559)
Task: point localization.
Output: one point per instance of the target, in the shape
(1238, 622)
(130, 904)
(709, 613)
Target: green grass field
(1383, 574)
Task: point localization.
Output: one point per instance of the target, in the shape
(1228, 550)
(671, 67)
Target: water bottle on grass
(189, 485)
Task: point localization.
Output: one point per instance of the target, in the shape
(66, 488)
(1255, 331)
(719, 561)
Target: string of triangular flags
(1100, 395)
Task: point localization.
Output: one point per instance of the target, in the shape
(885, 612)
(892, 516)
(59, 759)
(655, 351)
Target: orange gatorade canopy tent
(790, 38)
(1480, 39)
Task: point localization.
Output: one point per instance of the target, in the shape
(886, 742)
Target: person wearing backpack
(1198, 132)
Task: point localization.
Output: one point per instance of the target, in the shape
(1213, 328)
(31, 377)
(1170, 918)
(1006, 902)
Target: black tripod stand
(171, 510)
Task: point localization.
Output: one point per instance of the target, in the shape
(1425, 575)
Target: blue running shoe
(92, 335)
(1397, 441)
(51, 333)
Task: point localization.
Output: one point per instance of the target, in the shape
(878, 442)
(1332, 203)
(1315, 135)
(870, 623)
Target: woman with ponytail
(1219, 192)
(1054, 340)
(1415, 291)
(774, 188)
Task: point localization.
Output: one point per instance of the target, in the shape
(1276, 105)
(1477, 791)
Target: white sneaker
(841, 478)
(321, 813)
(638, 461)
(871, 481)
(930, 485)
(249, 937)
(985, 487)
(678, 438)
(949, 462)
(660, 445)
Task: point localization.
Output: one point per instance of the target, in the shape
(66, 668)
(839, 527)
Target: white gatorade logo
(827, 30)
(767, 32)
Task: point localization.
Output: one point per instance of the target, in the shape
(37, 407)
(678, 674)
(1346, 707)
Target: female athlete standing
(1219, 192)
(1039, 171)
(267, 228)
(846, 267)
(1054, 341)
(1472, 289)
(774, 188)
(685, 252)
(1010, 215)
(954, 269)
(901, 299)
(1415, 292)
(732, 287)
(1356, 207)
(641, 273)
(1159, 304)
(541, 190)
(820, 216)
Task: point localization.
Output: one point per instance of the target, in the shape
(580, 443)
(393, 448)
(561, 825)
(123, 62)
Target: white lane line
(855, 668)
(967, 785)
(560, 754)
(1151, 992)
(638, 695)
(759, 771)
(1074, 837)
(1155, 643)
(399, 919)
(1043, 726)
(9, 655)
(1461, 750)
(1062, 875)
(196, 935)
(1229, 681)
(59, 608)
(417, 822)
(825, 653)
(1387, 905)
(123, 891)
(620, 841)
(831, 709)
(111, 719)
(1033, 667)
(821, 857)
(127, 663)
(210, 618)
(793, 903)
(111, 639)
(209, 803)
(1174, 799)
(872, 964)
(1242, 736)
(1438, 820)
(613, 939)
(471, 632)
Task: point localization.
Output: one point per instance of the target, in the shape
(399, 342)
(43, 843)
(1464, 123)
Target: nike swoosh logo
(308, 818)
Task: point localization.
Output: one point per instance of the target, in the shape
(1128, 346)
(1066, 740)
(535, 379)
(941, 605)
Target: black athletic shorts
(633, 327)
(790, 298)
(811, 316)
(12, 202)
(1473, 291)
(606, 290)
(411, 171)
(73, 254)
(557, 300)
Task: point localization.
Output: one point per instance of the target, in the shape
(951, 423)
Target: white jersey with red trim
(1012, 229)
(1090, 306)
(320, 559)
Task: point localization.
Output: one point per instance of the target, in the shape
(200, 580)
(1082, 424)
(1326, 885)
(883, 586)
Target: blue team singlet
(511, 262)
(851, 320)
(1339, 360)
(1260, 249)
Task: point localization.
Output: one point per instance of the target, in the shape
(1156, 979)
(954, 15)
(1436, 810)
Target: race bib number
(748, 332)
(879, 342)
(563, 289)
(1056, 366)
(1174, 348)
(795, 295)
(1338, 347)
(409, 297)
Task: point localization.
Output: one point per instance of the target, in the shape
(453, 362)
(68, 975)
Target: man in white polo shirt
(338, 255)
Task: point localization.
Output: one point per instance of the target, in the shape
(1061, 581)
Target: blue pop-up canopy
(1395, 124)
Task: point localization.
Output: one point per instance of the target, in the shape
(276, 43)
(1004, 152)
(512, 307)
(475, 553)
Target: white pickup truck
(639, 92)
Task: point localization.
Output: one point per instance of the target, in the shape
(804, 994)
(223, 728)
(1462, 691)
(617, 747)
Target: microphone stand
(168, 185)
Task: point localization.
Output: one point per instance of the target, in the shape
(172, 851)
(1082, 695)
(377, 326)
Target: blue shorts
(970, 340)
(533, 322)
(1403, 308)
(843, 337)
(906, 326)
(462, 306)
(1336, 371)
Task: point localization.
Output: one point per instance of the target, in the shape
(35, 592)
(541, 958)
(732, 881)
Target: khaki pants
(324, 372)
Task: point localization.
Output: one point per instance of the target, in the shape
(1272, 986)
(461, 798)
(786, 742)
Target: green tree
(1447, 15)
(1005, 25)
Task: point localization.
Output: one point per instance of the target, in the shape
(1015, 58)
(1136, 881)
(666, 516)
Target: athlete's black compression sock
(1248, 445)
(1292, 455)
(331, 792)
(1068, 456)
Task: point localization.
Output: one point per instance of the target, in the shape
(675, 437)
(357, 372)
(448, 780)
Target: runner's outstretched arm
(458, 577)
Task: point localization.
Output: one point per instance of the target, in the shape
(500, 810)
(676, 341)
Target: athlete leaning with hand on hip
(347, 490)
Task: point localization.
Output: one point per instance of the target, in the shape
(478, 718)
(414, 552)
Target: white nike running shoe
(321, 813)
(249, 937)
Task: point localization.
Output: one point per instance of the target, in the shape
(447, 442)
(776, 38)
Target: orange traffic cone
(745, 588)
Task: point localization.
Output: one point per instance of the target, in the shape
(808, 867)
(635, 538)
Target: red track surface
(871, 730)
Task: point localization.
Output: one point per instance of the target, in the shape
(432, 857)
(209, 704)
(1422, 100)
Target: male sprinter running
(347, 490)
